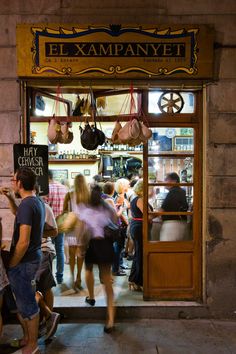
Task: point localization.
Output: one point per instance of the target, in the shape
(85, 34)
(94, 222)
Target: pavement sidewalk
(140, 336)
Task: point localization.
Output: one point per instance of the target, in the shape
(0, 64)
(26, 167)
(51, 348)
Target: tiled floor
(123, 296)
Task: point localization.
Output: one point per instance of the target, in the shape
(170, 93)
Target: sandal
(17, 343)
(35, 351)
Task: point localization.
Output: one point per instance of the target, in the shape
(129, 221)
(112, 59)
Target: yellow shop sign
(114, 51)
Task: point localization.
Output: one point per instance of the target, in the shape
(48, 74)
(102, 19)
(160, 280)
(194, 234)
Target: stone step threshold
(72, 309)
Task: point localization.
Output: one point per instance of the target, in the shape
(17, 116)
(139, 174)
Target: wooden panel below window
(170, 271)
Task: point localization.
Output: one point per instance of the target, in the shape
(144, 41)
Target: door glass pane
(160, 167)
(171, 140)
(171, 102)
(157, 196)
(173, 200)
(172, 230)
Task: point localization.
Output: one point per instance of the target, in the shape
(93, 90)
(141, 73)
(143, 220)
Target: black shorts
(100, 251)
(44, 276)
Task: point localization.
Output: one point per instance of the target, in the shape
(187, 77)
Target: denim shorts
(22, 281)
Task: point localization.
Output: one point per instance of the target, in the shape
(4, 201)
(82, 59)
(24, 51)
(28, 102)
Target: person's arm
(21, 246)
(50, 226)
(11, 199)
(112, 209)
(0, 233)
(140, 204)
(66, 203)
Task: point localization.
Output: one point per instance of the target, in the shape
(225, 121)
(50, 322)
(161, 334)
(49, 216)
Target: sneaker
(119, 274)
(42, 329)
(125, 266)
(51, 324)
(130, 257)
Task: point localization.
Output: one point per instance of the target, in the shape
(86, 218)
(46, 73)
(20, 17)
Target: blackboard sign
(35, 157)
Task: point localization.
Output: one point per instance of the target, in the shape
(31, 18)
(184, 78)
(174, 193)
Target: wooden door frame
(180, 120)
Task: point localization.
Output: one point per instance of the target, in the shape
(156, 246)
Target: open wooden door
(172, 232)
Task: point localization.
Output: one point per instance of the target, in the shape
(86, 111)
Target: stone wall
(221, 147)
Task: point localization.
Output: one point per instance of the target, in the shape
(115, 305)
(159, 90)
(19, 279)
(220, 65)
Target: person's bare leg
(72, 251)
(44, 309)
(24, 339)
(105, 275)
(89, 279)
(0, 315)
(131, 247)
(80, 262)
(66, 251)
(32, 330)
(49, 299)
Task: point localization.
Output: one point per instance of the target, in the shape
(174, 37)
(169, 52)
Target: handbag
(112, 231)
(66, 222)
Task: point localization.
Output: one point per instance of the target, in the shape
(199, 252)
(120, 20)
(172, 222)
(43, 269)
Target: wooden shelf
(120, 152)
(73, 161)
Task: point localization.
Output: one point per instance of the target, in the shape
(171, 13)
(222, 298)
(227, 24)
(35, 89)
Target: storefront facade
(171, 58)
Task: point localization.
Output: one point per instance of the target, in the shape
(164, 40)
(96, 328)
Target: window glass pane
(171, 140)
(159, 167)
(117, 104)
(171, 103)
(46, 106)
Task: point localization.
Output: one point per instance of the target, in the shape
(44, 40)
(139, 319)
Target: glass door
(172, 229)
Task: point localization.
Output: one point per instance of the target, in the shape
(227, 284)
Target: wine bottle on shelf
(83, 154)
(74, 155)
(80, 154)
(64, 155)
(60, 155)
(71, 155)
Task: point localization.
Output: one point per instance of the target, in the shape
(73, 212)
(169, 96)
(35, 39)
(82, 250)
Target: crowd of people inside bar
(100, 223)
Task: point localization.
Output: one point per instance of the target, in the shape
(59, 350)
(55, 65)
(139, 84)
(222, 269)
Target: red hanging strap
(132, 100)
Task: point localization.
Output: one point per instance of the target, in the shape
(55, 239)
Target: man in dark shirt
(175, 201)
(26, 253)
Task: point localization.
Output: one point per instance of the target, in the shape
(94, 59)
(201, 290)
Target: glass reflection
(172, 230)
(171, 140)
(159, 167)
(174, 199)
(188, 99)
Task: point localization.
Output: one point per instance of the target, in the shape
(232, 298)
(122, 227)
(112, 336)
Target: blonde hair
(81, 189)
(120, 185)
(138, 188)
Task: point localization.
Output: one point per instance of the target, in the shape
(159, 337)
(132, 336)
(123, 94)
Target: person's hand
(3, 247)
(7, 192)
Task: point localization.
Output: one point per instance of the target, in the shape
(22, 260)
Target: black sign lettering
(35, 157)
(97, 49)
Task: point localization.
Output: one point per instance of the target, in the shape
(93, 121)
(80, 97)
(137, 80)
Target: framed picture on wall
(86, 172)
(60, 175)
(74, 174)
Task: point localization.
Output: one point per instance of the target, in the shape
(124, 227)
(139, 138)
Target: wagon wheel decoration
(170, 102)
